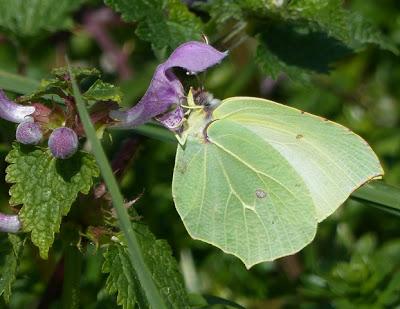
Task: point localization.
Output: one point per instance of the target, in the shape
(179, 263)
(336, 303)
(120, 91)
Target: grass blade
(153, 296)
(381, 195)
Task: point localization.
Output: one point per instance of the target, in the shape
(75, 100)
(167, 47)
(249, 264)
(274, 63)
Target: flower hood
(165, 89)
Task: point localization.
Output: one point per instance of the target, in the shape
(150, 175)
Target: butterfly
(254, 177)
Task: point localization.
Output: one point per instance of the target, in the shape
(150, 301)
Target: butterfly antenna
(205, 39)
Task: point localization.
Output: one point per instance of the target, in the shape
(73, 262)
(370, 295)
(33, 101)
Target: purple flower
(12, 111)
(166, 90)
(29, 133)
(63, 143)
(172, 120)
(9, 223)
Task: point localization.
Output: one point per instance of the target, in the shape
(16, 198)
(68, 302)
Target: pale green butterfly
(254, 177)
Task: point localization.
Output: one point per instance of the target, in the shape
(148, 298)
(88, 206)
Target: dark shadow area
(297, 46)
(70, 167)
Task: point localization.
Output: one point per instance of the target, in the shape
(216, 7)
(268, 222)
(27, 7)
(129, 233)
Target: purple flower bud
(63, 143)
(165, 89)
(12, 111)
(29, 133)
(9, 223)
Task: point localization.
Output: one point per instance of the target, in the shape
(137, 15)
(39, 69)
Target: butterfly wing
(264, 175)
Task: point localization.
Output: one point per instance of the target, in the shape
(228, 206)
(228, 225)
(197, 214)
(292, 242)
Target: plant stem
(72, 274)
(135, 254)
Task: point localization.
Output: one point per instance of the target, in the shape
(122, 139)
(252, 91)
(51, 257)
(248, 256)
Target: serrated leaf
(46, 188)
(10, 266)
(257, 177)
(80, 73)
(47, 86)
(338, 22)
(317, 32)
(123, 280)
(164, 23)
(101, 91)
(59, 85)
(30, 18)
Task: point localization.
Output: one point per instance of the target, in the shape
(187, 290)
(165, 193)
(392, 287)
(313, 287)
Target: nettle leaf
(59, 85)
(163, 23)
(47, 86)
(29, 18)
(46, 188)
(101, 91)
(10, 265)
(332, 18)
(122, 278)
(318, 32)
(80, 73)
(256, 178)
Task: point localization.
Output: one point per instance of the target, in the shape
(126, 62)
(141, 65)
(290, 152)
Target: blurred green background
(355, 257)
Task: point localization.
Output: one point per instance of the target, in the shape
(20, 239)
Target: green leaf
(332, 18)
(315, 52)
(222, 10)
(319, 33)
(381, 195)
(10, 266)
(101, 91)
(30, 18)
(122, 278)
(17, 83)
(215, 300)
(256, 178)
(80, 73)
(47, 86)
(46, 188)
(163, 23)
(60, 85)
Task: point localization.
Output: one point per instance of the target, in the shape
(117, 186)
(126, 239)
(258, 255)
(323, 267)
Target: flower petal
(173, 119)
(195, 57)
(165, 88)
(12, 111)
(29, 133)
(9, 223)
